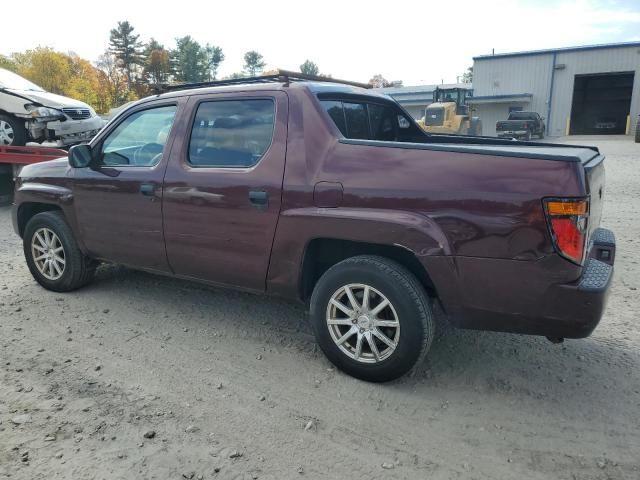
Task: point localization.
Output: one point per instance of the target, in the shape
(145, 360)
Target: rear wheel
(527, 136)
(372, 318)
(12, 131)
(52, 254)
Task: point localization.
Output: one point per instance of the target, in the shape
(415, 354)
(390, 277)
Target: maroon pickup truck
(331, 195)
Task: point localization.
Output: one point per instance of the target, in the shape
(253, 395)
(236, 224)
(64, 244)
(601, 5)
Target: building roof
(417, 95)
(414, 89)
(559, 50)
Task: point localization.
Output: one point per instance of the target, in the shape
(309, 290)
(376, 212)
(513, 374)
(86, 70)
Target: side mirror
(80, 156)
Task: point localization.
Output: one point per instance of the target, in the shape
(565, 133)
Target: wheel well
(27, 210)
(322, 253)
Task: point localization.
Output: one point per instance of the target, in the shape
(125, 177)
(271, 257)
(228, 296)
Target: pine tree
(127, 49)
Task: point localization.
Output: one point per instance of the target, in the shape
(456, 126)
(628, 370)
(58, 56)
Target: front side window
(140, 139)
(231, 133)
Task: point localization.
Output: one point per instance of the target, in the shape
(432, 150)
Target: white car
(30, 114)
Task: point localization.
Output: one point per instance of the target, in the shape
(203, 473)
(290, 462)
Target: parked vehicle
(331, 195)
(521, 125)
(13, 159)
(606, 125)
(450, 114)
(29, 114)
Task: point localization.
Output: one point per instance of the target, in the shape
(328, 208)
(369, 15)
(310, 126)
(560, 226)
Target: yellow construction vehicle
(450, 113)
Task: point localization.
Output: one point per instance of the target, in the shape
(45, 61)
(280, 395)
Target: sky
(418, 42)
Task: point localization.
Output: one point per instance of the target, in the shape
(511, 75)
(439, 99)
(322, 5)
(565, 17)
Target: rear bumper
(512, 134)
(551, 297)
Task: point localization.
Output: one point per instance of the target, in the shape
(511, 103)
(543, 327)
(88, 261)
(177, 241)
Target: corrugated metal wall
(508, 76)
(591, 62)
(532, 74)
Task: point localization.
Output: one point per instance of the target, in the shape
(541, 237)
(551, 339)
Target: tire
(77, 269)
(12, 132)
(541, 136)
(527, 137)
(409, 306)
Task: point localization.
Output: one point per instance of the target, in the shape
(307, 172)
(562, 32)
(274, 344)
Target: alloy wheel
(6, 133)
(48, 253)
(363, 323)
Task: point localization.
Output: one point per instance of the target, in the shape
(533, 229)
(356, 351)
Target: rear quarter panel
(436, 204)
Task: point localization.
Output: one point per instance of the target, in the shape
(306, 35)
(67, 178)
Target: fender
(47, 194)
(409, 230)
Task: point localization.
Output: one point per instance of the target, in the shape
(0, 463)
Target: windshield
(15, 82)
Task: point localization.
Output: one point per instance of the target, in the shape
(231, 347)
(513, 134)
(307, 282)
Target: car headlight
(43, 113)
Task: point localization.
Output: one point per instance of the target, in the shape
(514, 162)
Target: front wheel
(52, 254)
(12, 131)
(372, 318)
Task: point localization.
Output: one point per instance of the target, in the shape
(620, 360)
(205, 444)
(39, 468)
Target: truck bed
(542, 151)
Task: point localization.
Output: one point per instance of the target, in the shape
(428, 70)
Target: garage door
(601, 103)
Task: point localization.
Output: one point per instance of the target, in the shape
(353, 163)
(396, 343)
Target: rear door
(223, 187)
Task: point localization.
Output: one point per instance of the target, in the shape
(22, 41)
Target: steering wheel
(148, 154)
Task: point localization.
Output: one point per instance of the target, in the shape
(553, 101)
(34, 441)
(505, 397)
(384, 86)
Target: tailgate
(595, 178)
(510, 125)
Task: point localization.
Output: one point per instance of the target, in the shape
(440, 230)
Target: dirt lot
(229, 385)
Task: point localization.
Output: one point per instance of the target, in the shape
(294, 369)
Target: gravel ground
(138, 376)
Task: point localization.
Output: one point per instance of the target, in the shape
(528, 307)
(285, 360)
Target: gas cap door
(327, 194)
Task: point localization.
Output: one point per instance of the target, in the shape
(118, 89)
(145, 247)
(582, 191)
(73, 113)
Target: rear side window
(336, 112)
(231, 133)
(355, 115)
(371, 121)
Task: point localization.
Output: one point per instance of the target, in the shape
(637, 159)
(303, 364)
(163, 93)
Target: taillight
(568, 218)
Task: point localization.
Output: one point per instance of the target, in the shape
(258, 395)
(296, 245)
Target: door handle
(147, 189)
(259, 199)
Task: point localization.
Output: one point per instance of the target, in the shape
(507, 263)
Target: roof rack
(278, 76)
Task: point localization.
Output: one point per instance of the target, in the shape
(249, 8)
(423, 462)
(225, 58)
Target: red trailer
(12, 159)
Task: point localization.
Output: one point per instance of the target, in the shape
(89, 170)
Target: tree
(467, 77)
(157, 64)
(309, 68)
(378, 81)
(83, 84)
(253, 63)
(43, 66)
(126, 47)
(113, 80)
(215, 57)
(191, 63)
(7, 63)
(65, 74)
(235, 76)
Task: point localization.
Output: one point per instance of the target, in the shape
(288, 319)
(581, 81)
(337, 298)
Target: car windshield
(15, 82)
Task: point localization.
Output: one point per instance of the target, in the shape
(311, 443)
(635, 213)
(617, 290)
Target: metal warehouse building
(580, 90)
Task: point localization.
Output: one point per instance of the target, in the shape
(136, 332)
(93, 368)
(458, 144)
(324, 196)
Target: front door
(118, 201)
(222, 189)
